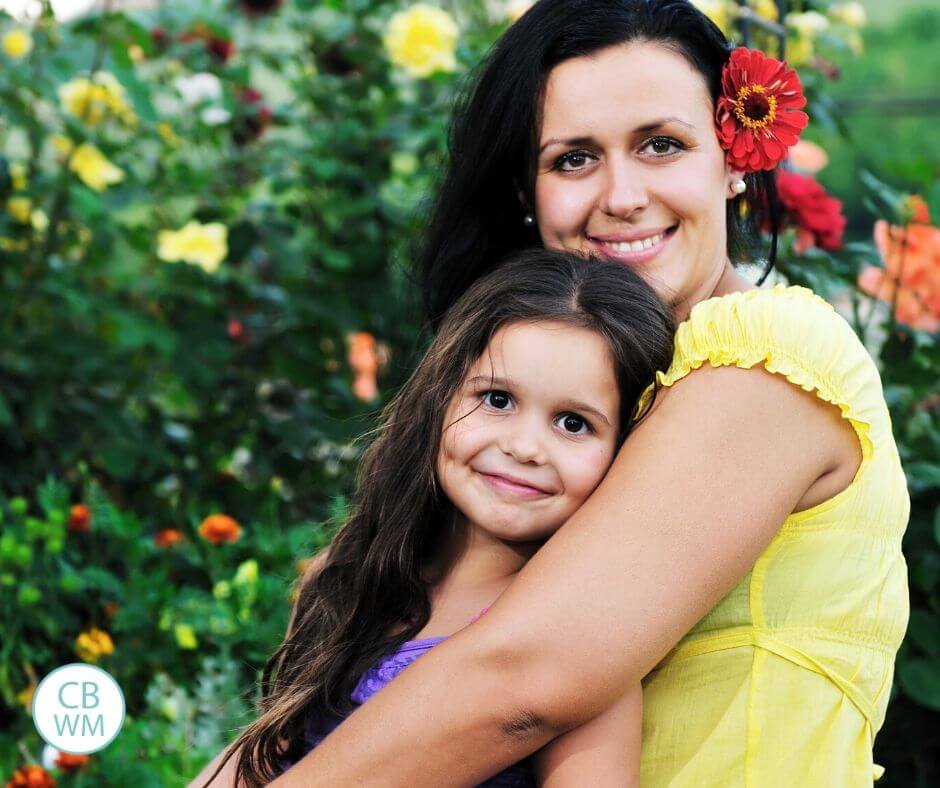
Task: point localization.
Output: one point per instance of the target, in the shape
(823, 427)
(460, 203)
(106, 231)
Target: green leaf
(920, 679)
(924, 631)
(933, 202)
(936, 525)
(922, 475)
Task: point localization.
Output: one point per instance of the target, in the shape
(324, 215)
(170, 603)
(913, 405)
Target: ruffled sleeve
(790, 331)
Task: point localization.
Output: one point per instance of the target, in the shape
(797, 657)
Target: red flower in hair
(817, 215)
(758, 115)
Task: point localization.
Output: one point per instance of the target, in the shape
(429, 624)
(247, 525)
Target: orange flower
(364, 360)
(219, 528)
(920, 213)
(911, 276)
(79, 519)
(93, 644)
(168, 537)
(69, 763)
(31, 776)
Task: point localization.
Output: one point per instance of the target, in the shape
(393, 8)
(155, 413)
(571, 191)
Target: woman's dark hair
(477, 218)
(370, 594)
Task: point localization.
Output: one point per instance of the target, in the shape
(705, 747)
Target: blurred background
(207, 216)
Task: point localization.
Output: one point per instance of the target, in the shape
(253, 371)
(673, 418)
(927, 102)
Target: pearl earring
(738, 186)
(528, 220)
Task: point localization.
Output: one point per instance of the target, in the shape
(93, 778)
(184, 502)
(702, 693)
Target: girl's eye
(573, 423)
(663, 146)
(497, 399)
(576, 158)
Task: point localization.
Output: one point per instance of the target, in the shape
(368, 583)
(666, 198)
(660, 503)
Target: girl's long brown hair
(369, 596)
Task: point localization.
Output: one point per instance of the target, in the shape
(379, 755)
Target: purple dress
(519, 775)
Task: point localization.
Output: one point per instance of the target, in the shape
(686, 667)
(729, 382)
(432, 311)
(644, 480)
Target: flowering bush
(208, 214)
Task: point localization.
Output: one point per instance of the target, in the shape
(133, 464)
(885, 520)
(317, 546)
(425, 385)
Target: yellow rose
(17, 43)
(851, 14)
(92, 644)
(20, 208)
(205, 245)
(422, 40)
(185, 637)
(719, 11)
(93, 100)
(93, 167)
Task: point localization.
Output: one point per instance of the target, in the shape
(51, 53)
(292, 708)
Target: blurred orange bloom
(168, 537)
(807, 157)
(68, 762)
(912, 268)
(220, 528)
(31, 776)
(79, 519)
(93, 644)
(364, 360)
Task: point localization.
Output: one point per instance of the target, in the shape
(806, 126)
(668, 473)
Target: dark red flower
(816, 214)
(253, 118)
(259, 7)
(236, 329)
(220, 48)
(160, 37)
(758, 115)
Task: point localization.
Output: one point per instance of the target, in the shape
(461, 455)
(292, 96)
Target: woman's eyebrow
(645, 128)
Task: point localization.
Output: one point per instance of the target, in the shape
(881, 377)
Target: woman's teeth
(636, 246)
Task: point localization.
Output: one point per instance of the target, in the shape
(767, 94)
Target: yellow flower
(13, 244)
(247, 573)
(39, 220)
(18, 175)
(206, 245)
(185, 637)
(92, 644)
(766, 9)
(422, 40)
(800, 50)
(136, 53)
(25, 696)
(20, 208)
(17, 43)
(719, 11)
(93, 100)
(165, 130)
(93, 167)
(851, 14)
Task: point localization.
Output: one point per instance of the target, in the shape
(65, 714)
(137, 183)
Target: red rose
(816, 214)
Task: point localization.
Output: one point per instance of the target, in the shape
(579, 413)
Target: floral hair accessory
(758, 115)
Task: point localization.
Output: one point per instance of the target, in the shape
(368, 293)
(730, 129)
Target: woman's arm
(697, 492)
(604, 753)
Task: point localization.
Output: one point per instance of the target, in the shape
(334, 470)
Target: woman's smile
(637, 247)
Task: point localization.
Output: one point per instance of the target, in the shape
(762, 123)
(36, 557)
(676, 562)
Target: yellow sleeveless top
(786, 681)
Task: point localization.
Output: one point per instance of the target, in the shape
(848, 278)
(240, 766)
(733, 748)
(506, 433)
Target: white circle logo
(78, 708)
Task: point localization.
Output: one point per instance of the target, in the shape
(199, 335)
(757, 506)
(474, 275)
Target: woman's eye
(573, 424)
(497, 399)
(575, 158)
(664, 146)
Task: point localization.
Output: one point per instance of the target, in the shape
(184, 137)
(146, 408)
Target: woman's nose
(625, 191)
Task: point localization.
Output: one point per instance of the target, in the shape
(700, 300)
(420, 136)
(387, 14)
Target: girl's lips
(633, 256)
(504, 485)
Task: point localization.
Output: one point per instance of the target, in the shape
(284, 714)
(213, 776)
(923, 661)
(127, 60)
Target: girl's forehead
(629, 84)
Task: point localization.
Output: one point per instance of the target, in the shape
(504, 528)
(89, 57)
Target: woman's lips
(504, 485)
(638, 251)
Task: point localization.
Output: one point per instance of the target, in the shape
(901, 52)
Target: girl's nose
(523, 443)
(625, 191)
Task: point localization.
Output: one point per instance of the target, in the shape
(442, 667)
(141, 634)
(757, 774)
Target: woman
(743, 552)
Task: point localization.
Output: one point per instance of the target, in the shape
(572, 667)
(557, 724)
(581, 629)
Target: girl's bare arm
(603, 753)
(693, 498)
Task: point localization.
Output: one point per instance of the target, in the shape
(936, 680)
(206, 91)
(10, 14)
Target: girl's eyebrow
(644, 129)
(574, 404)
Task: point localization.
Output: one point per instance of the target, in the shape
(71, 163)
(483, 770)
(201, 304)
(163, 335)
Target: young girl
(507, 425)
